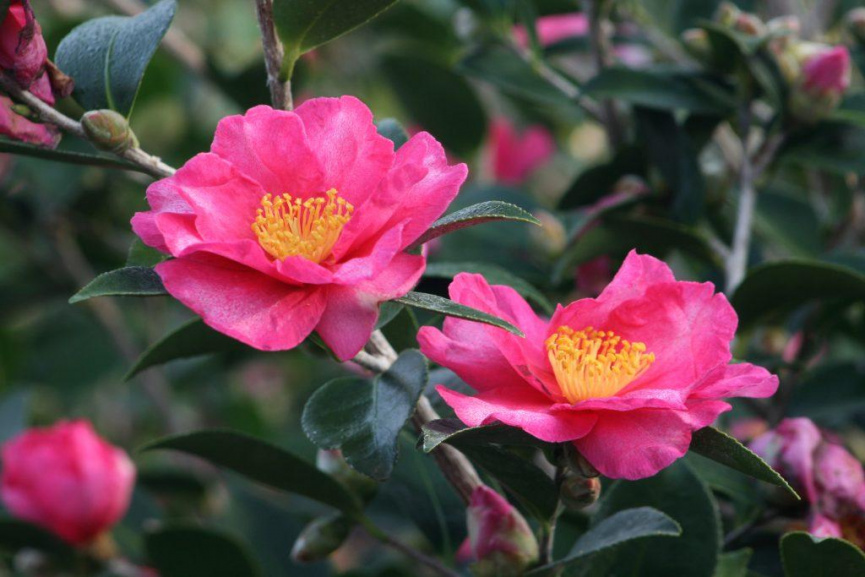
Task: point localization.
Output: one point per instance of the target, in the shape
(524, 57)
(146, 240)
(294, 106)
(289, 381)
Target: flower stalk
(274, 54)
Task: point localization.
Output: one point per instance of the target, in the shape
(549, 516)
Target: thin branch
(274, 54)
(602, 55)
(737, 263)
(409, 551)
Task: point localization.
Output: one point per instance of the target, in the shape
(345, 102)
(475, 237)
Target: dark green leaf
(133, 281)
(4, 7)
(67, 156)
(107, 57)
(781, 286)
(490, 211)
(262, 462)
(721, 447)
(450, 308)
(734, 563)
(808, 556)
(495, 275)
(16, 535)
(597, 181)
(663, 90)
(439, 100)
(188, 551)
(142, 255)
(191, 339)
(364, 418)
(619, 528)
(454, 432)
(402, 330)
(393, 131)
(832, 146)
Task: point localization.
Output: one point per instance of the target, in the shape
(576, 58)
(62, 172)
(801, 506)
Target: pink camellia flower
(297, 222)
(23, 51)
(789, 449)
(66, 479)
(500, 539)
(16, 127)
(827, 72)
(515, 155)
(627, 377)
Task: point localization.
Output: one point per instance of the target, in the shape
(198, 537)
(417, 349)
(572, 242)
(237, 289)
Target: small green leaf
(807, 556)
(393, 131)
(623, 526)
(454, 432)
(364, 418)
(68, 156)
(781, 286)
(450, 308)
(722, 448)
(191, 339)
(494, 275)
(107, 57)
(133, 281)
(264, 463)
(490, 211)
(189, 551)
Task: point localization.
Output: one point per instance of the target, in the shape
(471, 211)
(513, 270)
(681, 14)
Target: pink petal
(738, 380)
(524, 408)
(242, 303)
(271, 147)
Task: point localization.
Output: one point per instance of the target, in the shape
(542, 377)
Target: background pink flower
(555, 28)
(66, 479)
(334, 209)
(17, 127)
(515, 155)
(499, 537)
(627, 377)
(23, 51)
(827, 72)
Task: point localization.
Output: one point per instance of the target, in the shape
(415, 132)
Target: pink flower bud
(840, 481)
(515, 155)
(789, 449)
(17, 127)
(821, 526)
(827, 72)
(66, 479)
(22, 48)
(501, 539)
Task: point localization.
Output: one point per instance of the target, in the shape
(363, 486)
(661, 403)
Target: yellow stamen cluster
(288, 226)
(591, 364)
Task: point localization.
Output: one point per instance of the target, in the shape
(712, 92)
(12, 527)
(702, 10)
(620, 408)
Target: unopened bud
(824, 78)
(696, 42)
(333, 463)
(856, 23)
(501, 539)
(578, 492)
(108, 131)
(320, 538)
(574, 461)
(727, 14)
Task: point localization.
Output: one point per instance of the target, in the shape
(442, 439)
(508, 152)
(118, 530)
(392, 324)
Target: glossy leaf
(107, 57)
(133, 281)
(363, 418)
(597, 181)
(722, 448)
(494, 274)
(450, 308)
(490, 211)
(191, 339)
(807, 556)
(619, 528)
(264, 463)
(781, 286)
(189, 551)
(67, 156)
(454, 432)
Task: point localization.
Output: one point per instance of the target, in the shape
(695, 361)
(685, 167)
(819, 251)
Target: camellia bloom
(627, 377)
(297, 222)
(66, 479)
(515, 155)
(17, 127)
(827, 72)
(500, 539)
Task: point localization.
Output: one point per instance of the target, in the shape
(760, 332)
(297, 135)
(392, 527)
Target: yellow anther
(591, 364)
(288, 226)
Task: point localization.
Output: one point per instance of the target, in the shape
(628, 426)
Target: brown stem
(274, 54)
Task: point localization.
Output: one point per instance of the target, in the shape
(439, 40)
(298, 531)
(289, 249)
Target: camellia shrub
(433, 288)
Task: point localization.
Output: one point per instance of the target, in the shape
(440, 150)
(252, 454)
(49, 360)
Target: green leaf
(662, 90)
(619, 528)
(189, 551)
(107, 57)
(132, 281)
(679, 493)
(807, 556)
(393, 131)
(831, 146)
(191, 339)
(142, 255)
(364, 418)
(438, 100)
(16, 535)
(722, 448)
(4, 7)
(402, 330)
(264, 463)
(489, 211)
(779, 287)
(67, 156)
(734, 563)
(597, 181)
(450, 308)
(494, 274)
(454, 432)
(303, 25)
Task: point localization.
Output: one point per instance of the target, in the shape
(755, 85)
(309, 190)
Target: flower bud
(501, 539)
(856, 23)
(825, 76)
(320, 538)
(727, 14)
(578, 492)
(574, 461)
(19, 127)
(332, 463)
(108, 131)
(66, 479)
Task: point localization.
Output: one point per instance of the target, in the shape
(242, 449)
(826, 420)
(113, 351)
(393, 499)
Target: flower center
(288, 226)
(591, 364)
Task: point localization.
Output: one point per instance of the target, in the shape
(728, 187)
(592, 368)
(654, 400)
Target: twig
(410, 551)
(274, 54)
(737, 262)
(46, 113)
(602, 55)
